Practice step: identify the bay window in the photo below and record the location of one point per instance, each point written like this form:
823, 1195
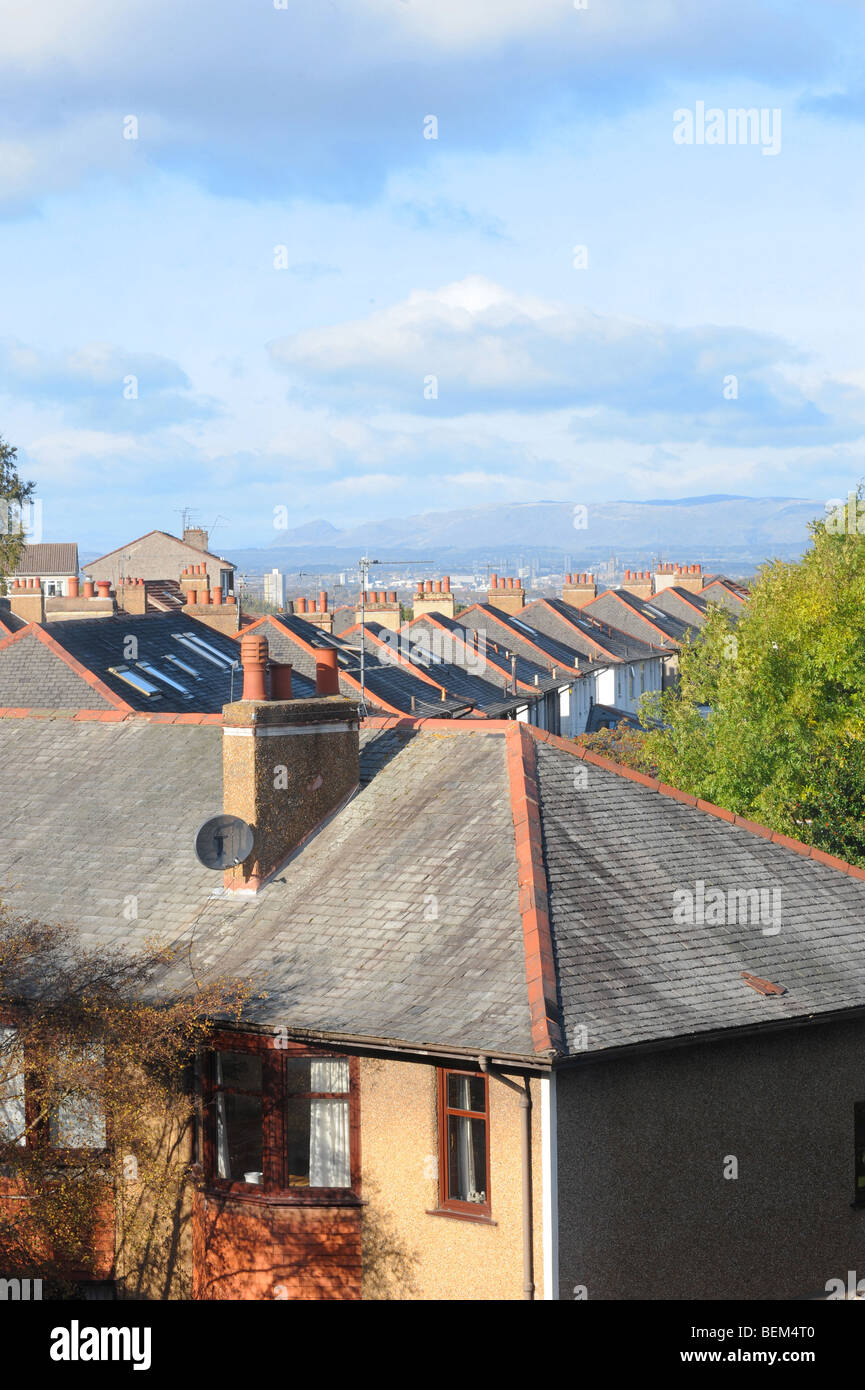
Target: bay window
280, 1122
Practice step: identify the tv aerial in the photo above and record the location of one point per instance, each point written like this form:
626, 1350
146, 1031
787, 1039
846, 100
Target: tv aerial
223, 842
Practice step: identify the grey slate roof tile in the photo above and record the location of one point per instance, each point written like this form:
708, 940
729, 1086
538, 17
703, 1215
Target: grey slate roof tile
616, 852
340, 944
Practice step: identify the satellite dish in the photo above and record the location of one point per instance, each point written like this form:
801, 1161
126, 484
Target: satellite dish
223, 841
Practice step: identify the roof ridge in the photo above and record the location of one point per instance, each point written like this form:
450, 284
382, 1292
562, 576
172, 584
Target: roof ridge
697, 803
500, 667
107, 716
541, 980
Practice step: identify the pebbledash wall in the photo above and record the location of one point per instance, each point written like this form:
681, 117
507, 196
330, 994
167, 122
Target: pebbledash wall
409, 1254
645, 1210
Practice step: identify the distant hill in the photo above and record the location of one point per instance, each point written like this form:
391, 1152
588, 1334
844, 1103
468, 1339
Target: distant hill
718, 529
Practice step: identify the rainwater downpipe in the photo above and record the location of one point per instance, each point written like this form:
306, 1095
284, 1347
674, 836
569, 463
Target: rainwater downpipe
525, 1095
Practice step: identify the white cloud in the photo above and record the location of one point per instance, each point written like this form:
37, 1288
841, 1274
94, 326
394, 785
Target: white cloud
474, 347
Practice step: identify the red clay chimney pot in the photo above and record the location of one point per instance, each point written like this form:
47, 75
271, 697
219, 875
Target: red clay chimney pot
253, 655
280, 680
326, 671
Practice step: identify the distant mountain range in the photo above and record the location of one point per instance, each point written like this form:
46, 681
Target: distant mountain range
719, 529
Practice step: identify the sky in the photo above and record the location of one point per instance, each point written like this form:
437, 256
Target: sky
357, 259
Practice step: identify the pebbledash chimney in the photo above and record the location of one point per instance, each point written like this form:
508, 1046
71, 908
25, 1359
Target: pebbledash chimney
287, 765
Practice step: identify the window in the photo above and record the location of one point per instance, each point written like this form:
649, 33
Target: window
464, 1184
144, 687
859, 1141
13, 1123
76, 1122
281, 1123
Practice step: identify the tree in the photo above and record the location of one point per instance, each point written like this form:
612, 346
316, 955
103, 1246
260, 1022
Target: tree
13, 494
96, 1110
768, 719
622, 744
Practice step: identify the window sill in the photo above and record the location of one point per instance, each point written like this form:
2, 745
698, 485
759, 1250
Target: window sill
479, 1220
285, 1199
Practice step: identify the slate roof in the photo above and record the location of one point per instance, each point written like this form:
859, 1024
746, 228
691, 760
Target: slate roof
521, 635
388, 686
615, 854
34, 676
594, 636
33, 673
343, 617
681, 603
49, 557
529, 673
458, 680
639, 618
9, 621
725, 595
553, 929
344, 941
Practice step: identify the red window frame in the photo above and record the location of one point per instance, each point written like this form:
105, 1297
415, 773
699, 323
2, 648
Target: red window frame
446, 1202
274, 1093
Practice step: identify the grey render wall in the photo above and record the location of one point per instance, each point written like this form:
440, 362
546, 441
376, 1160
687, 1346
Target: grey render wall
644, 1209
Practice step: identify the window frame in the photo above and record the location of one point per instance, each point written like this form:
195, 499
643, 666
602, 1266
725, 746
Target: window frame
274, 1095
37, 1132
452, 1205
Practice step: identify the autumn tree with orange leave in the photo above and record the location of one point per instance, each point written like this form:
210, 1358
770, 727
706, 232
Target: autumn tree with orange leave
97, 1110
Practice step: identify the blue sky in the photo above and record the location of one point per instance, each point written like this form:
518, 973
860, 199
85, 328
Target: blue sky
283, 262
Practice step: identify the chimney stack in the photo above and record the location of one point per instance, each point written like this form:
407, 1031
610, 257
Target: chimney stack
385, 609
638, 583
507, 595
688, 577
288, 765
579, 589
434, 600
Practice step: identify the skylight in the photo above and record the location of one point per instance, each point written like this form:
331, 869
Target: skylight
194, 643
189, 670
144, 687
149, 669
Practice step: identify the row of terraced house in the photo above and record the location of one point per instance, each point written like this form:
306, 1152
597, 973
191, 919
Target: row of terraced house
486, 1058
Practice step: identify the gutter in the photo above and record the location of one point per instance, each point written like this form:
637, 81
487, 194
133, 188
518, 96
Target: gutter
525, 1096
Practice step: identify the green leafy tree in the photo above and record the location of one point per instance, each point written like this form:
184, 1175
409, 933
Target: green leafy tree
768, 719
13, 494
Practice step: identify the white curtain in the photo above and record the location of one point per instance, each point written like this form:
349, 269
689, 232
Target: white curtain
12, 1115
466, 1170
223, 1166
329, 1150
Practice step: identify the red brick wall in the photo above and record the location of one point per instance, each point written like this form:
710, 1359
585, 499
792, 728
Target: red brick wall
245, 1250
